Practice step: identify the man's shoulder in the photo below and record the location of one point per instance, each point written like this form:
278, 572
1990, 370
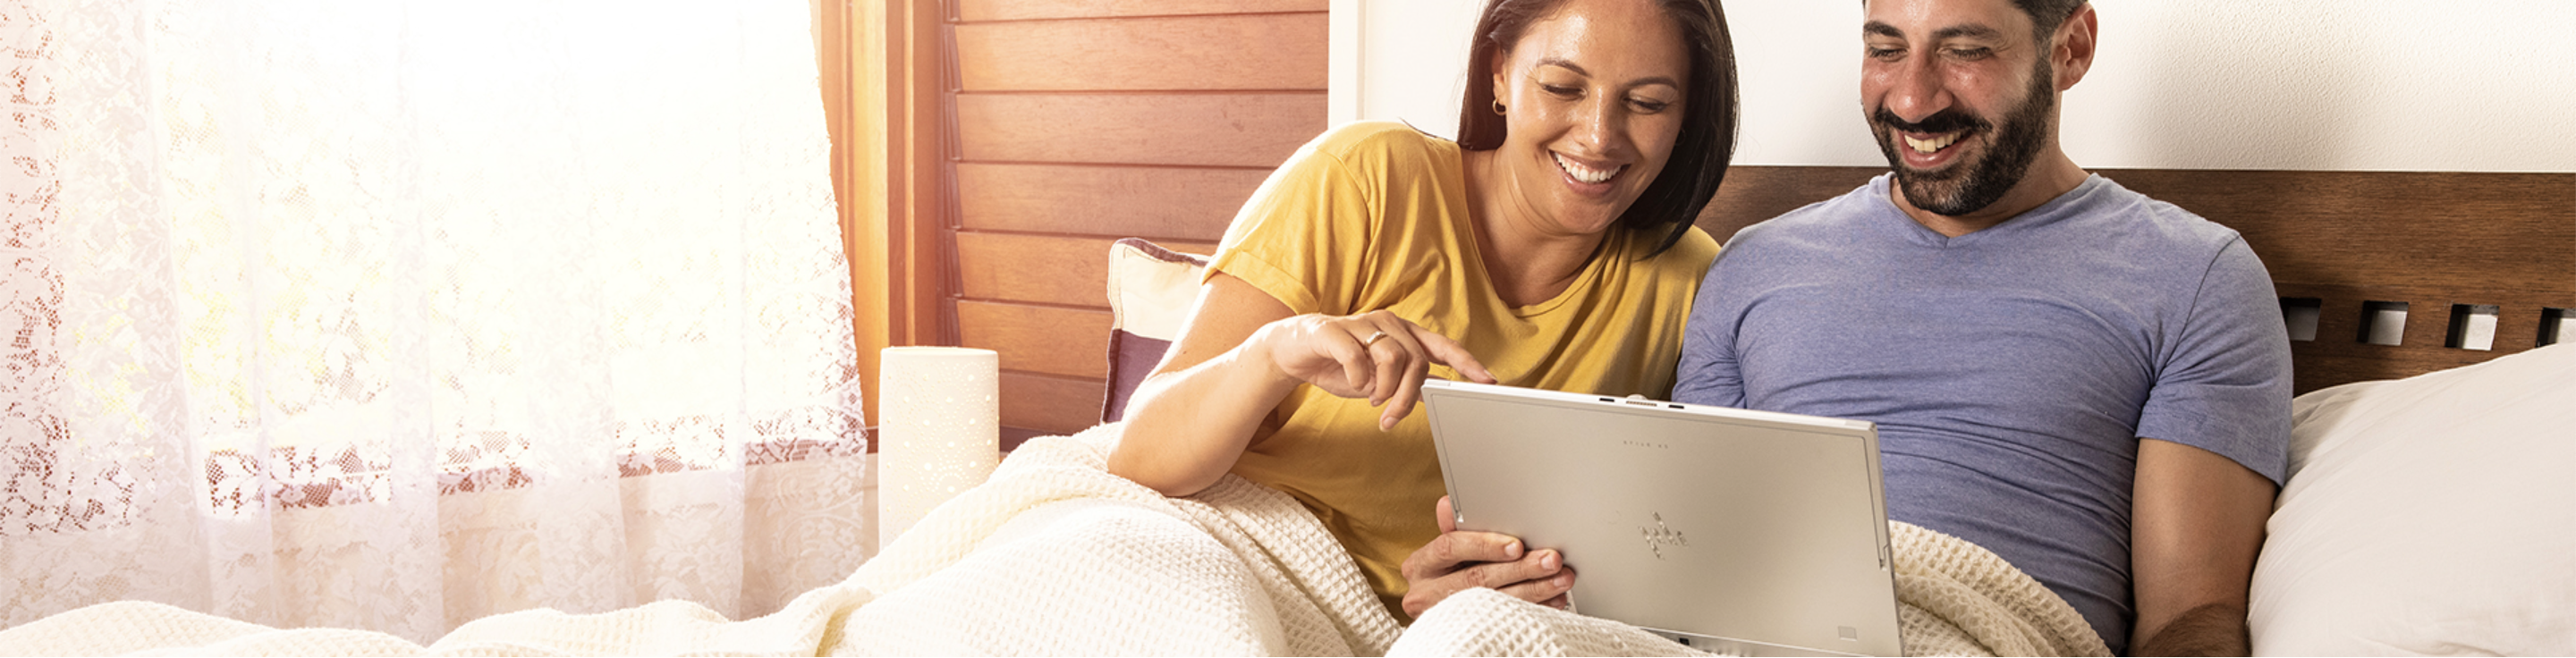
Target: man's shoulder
2157, 219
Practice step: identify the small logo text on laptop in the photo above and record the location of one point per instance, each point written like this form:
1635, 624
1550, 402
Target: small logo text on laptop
1659, 535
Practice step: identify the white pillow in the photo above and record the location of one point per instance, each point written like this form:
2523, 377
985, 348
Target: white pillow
2429, 515
1151, 290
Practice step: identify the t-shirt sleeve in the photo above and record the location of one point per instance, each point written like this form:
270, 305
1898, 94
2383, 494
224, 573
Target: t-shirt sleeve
1709, 373
2225, 385
1303, 235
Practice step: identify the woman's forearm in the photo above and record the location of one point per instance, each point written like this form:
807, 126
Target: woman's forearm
1186, 428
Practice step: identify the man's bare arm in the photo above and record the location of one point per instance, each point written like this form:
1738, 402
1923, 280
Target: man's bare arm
2196, 525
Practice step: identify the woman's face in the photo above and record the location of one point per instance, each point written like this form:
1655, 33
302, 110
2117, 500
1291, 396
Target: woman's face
1594, 96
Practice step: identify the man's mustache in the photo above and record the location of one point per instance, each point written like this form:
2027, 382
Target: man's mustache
1945, 121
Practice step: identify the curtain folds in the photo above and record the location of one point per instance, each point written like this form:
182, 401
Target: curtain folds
392, 315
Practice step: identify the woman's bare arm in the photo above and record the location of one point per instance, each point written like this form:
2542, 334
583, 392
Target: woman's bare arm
1200, 409
1239, 354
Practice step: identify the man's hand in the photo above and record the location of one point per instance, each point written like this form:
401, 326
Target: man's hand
1457, 561
2196, 526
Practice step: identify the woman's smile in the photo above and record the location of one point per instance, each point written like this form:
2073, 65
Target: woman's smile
1588, 179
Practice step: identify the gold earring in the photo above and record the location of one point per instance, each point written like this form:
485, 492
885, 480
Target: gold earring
1498, 108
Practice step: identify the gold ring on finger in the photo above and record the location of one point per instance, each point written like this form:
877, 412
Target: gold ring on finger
1372, 339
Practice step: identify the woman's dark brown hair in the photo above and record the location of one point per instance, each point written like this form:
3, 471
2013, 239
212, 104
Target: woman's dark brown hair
1664, 212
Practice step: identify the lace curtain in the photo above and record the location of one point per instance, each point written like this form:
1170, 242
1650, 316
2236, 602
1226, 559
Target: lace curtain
395, 314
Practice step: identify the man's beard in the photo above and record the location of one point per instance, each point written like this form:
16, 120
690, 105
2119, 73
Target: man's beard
1966, 187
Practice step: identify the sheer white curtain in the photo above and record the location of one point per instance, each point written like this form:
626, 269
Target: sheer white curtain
394, 314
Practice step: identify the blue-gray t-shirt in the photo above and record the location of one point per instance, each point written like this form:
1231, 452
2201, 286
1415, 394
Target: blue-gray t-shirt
2011, 371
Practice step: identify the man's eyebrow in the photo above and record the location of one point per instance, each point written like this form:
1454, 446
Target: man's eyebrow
1881, 28
1967, 31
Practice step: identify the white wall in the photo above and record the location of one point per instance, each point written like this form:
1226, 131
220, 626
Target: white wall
2385, 85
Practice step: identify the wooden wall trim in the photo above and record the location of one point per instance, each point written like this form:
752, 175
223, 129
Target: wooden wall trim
925, 205
886, 77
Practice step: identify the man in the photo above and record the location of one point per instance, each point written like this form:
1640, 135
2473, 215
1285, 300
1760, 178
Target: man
2088, 382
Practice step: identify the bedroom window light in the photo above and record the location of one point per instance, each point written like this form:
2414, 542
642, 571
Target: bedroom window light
321, 303
2300, 314
2383, 323
2556, 324
2472, 327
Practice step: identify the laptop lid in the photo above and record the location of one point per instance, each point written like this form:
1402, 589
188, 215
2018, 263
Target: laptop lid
1735, 531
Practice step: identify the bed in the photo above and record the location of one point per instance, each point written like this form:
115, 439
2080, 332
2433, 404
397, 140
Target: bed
2430, 315
2423, 514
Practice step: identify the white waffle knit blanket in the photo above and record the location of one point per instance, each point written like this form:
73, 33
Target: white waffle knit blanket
1955, 600
1054, 556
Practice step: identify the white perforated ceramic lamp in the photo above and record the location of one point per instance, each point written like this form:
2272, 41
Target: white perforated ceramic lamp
938, 431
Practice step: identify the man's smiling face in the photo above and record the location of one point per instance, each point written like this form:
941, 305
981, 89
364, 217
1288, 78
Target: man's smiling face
1960, 96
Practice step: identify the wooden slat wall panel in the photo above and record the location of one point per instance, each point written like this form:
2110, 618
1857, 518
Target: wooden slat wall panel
1266, 51
1054, 405
1078, 122
1066, 271
1069, 342
1162, 203
1009, 10
1059, 270
2431, 239
1237, 130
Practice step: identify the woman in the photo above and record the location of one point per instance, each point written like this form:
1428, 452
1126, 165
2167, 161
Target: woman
1550, 247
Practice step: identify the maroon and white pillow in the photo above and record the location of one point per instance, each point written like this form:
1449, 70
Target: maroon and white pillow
1150, 293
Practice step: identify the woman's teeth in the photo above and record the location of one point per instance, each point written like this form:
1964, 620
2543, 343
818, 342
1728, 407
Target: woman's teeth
1933, 145
1583, 173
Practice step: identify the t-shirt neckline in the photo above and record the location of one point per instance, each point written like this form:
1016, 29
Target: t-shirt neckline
1884, 185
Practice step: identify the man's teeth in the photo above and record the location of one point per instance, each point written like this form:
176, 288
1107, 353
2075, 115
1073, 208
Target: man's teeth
1933, 145
1586, 174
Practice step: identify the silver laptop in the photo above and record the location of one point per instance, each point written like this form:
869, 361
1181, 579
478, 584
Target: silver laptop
1732, 531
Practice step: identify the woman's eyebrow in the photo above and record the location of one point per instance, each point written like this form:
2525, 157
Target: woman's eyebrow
1564, 64
1579, 70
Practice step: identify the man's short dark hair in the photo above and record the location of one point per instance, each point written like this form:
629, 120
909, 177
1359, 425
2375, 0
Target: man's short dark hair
2046, 15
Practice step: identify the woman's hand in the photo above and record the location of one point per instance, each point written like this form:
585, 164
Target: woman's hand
1373, 355
1240, 353
1457, 561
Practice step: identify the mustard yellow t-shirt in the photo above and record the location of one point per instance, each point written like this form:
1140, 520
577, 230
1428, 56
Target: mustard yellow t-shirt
1375, 216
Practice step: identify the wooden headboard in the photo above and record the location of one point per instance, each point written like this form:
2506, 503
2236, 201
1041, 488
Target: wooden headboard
2343, 243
